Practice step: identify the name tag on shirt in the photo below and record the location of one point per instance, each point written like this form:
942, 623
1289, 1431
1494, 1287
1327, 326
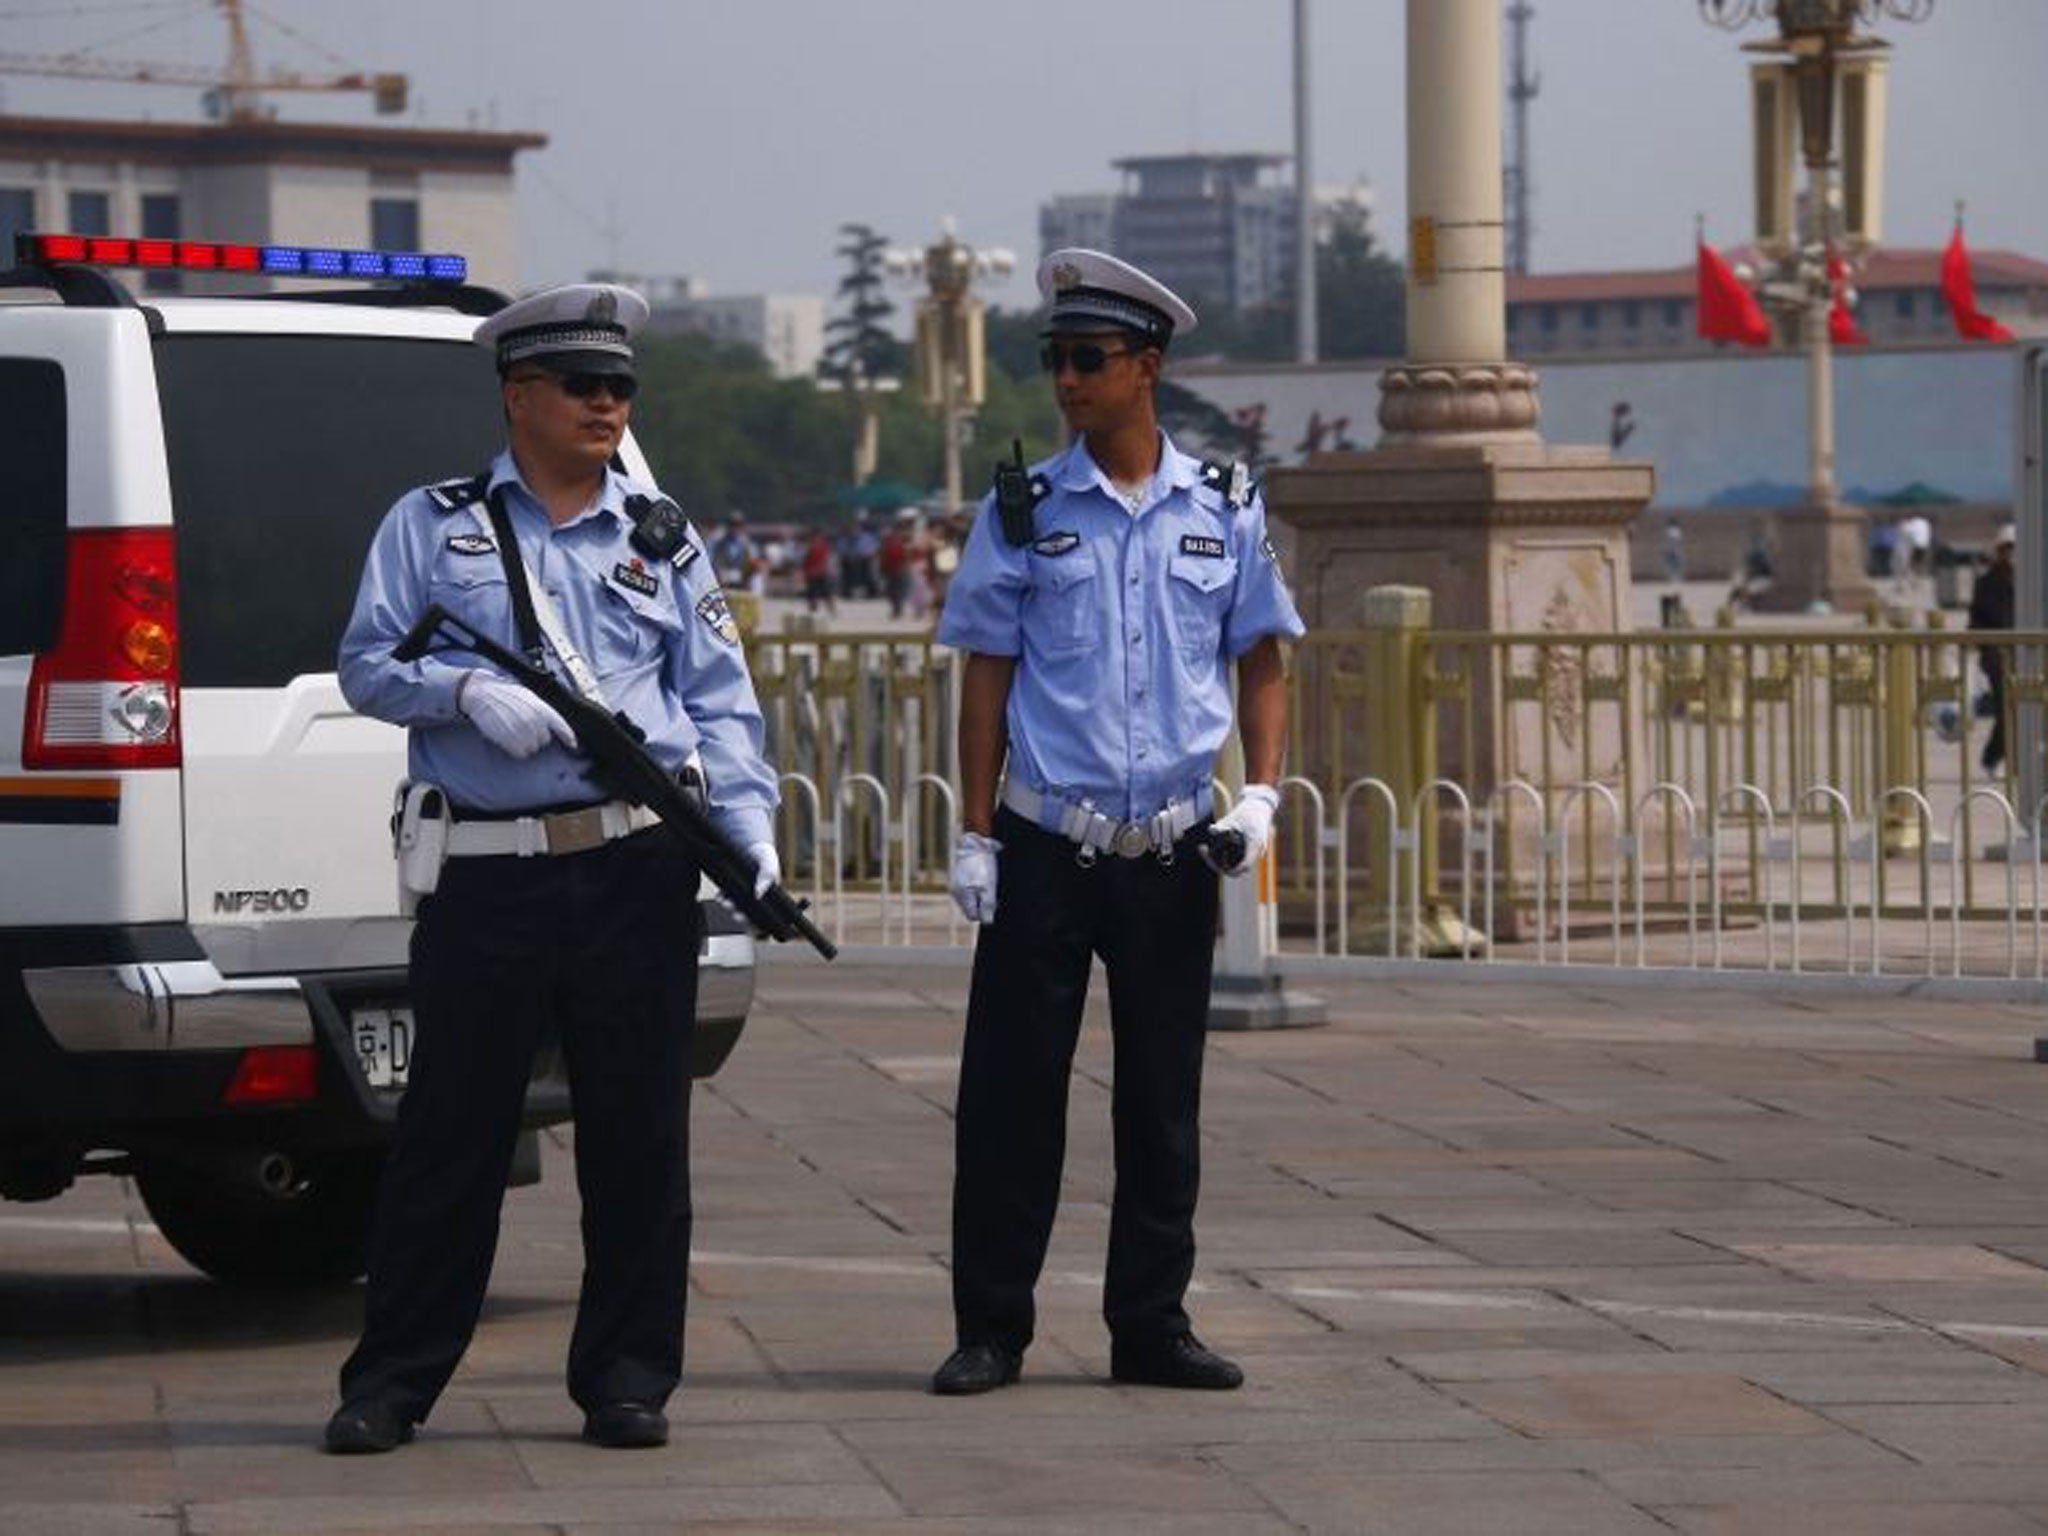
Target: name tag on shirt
636, 576
1202, 544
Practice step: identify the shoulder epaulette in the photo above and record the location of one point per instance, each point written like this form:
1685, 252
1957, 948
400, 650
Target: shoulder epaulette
1234, 484
454, 495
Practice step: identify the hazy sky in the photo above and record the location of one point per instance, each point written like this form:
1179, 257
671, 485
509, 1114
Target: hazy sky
729, 140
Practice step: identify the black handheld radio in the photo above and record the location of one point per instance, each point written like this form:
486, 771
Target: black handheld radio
1014, 497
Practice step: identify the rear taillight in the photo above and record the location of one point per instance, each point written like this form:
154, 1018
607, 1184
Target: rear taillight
107, 695
274, 1074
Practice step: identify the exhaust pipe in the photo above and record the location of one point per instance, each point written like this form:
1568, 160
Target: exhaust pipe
276, 1174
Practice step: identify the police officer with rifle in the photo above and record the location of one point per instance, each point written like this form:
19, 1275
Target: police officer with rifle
1104, 599
550, 902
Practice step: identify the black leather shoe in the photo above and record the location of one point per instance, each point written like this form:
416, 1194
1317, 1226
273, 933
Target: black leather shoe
367, 1428
626, 1426
1182, 1361
976, 1368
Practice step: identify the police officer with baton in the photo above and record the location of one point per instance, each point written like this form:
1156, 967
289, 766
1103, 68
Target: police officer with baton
1101, 600
559, 912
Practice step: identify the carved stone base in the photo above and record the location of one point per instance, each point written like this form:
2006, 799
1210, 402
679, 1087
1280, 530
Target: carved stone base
1820, 558
1507, 537
1444, 403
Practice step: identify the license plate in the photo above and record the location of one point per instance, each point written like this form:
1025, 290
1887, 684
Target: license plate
383, 1042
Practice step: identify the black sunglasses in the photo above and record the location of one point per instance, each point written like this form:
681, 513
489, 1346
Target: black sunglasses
1086, 356
585, 386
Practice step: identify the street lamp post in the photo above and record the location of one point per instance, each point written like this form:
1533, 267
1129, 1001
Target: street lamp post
1823, 557
951, 365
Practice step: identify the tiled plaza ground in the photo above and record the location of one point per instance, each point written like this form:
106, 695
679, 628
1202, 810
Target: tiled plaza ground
1504, 1258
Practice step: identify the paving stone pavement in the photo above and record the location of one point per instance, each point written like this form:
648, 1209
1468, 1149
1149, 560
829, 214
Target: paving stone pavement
1519, 1258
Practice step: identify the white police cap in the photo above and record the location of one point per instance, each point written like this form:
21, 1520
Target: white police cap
1088, 290
576, 328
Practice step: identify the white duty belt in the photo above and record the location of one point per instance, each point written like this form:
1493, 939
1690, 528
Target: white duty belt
1079, 822
552, 833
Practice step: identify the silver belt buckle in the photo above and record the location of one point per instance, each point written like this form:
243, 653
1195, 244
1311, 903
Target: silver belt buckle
575, 831
1131, 840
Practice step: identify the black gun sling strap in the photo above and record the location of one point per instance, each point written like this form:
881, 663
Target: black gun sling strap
533, 614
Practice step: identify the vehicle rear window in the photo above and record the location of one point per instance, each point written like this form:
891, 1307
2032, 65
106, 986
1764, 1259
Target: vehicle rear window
285, 454
32, 503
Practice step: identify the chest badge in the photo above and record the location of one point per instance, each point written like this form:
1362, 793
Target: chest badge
631, 573
1056, 543
713, 610
471, 544
1202, 544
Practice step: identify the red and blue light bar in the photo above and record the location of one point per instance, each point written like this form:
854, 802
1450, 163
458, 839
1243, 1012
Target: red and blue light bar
272, 260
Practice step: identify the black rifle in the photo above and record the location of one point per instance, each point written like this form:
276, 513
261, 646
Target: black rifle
612, 742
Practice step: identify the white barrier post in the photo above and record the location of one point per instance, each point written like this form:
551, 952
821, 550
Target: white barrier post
1244, 991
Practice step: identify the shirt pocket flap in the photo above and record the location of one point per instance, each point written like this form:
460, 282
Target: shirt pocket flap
1063, 576
469, 574
1203, 573
657, 610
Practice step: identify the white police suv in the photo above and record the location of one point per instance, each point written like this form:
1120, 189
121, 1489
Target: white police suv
202, 961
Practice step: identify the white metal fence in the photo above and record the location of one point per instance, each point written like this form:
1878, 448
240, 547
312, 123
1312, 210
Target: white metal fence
1744, 883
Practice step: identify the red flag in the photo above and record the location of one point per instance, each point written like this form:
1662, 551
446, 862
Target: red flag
1728, 310
1843, 330
1960, 289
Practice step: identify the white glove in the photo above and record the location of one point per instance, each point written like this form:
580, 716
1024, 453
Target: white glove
513, 720
1253, 817
767, 867
974, 877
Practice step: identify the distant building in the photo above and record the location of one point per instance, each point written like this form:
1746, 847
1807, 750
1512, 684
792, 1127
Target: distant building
1899, 302
788, 329
1217, 229
341, 185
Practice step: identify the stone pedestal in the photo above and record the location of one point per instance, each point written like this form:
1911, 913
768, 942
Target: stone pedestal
1821, 558
1505, 535
1508, 536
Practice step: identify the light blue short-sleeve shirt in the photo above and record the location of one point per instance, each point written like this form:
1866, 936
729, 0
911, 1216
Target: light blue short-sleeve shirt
1123, 625
657, 634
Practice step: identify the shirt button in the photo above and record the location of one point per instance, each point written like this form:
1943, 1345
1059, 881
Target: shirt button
1141, 754
1134, 578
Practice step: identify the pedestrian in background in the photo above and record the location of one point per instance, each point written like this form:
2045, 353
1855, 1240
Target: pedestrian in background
1991, 608
893, 554
1100, 603
817, 570
560, 913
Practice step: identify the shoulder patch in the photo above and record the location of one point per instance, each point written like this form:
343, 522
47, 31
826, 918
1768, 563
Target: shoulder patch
1269, 550
713, 609
472, 544
454, 495
1056, 543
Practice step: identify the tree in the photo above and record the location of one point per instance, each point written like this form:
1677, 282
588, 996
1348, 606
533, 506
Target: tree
860, 344
1361, 295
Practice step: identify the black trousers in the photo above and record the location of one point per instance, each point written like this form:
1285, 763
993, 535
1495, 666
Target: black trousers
599, 950
1154, 927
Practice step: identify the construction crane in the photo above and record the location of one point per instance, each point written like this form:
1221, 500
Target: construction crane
234, 92
1520, 174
